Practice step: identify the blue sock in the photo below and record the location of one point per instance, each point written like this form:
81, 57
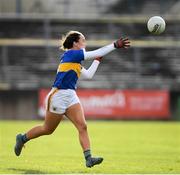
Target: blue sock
24, 138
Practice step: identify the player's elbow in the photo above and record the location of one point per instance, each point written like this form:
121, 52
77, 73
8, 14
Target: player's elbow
89, 76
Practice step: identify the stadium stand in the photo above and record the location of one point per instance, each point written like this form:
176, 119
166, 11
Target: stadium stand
29, 43
143, 6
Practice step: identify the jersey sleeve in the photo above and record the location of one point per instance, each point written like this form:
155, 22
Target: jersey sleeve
89, 73
99, 52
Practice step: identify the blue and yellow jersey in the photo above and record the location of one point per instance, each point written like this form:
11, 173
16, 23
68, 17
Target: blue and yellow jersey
69, 69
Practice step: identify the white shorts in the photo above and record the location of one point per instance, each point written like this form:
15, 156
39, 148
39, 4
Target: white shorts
58, 100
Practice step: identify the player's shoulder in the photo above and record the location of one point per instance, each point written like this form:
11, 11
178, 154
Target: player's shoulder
72, 55
73, 52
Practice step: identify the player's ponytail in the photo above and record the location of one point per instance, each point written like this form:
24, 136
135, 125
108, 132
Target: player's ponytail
68, 40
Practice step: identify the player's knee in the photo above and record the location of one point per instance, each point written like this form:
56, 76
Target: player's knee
48, 131
82, 127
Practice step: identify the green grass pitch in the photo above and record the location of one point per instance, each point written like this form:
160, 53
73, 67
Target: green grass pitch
127, 147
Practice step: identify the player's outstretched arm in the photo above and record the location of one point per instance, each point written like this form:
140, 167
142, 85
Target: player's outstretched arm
89, 73
120, 43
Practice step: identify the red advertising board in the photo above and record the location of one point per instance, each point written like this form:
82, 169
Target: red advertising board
122, 104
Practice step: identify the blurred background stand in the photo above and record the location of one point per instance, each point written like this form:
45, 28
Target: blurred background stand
29, 48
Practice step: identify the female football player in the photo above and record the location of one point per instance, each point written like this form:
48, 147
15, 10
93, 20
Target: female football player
62, 99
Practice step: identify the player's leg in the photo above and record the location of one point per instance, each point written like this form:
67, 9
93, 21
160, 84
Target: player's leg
76, 115
50, 124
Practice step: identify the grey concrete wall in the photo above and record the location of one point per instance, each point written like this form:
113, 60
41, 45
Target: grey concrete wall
7, 6
18, 104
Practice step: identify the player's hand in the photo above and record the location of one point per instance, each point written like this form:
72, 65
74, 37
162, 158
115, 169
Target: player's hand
99, 58
122, 43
